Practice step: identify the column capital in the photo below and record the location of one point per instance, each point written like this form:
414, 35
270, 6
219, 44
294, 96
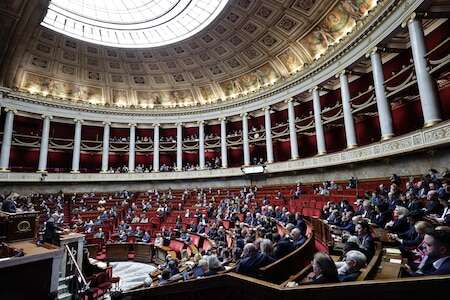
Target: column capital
132, 124
78, 121
46, 116
106, 123
342, 73
372, 51
223, 119
289, 100
156, 125
178, 124
266, 108
9, 109
316, 88
411, 18
244, 115
201, 122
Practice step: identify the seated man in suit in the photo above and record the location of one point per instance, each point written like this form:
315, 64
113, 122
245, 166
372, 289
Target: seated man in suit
146, 237
365, 239
283, 247
324, 270
297, 237
251, 261
349, 269
437, 245
139, 233
100, 234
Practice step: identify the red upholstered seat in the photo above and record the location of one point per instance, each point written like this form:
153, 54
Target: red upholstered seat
176, 245
206, 245
113, 280
195, 239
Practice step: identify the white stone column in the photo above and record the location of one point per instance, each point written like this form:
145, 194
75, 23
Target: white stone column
427, 89
132, 148
7, 138
179, 146
350, 132
105, 151
201, 144
245, 143
320, 136
155, 147
292, 129
43, 151
268, 125
383, 106
76, 147
223, 142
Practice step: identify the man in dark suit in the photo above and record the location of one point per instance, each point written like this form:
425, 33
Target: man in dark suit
297, 237
437, 245
252, 260
284, 247
9, 205
349, 270
365, 239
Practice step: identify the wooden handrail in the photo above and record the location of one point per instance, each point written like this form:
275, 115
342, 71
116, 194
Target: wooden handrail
236, 286
372, 267
278, 271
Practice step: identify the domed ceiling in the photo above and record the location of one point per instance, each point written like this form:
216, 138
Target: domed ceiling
131, 23
250, 45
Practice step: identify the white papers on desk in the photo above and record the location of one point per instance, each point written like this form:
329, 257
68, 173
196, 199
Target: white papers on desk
395, 261
392, 251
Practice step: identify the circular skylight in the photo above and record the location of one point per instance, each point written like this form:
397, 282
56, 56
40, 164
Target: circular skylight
131, 23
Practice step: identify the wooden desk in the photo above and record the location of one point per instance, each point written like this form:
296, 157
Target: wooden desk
143, 252
388, 270
383, 236
117, 252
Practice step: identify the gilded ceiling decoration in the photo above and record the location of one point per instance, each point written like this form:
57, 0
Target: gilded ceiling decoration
251, 45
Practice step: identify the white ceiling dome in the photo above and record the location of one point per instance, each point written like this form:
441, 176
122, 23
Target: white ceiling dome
131, 23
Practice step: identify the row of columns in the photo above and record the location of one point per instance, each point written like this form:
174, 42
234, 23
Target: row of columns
427, 91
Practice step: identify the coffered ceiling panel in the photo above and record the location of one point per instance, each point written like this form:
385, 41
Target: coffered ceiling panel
250, 45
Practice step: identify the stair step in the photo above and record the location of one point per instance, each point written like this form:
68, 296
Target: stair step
63, 288
65, 296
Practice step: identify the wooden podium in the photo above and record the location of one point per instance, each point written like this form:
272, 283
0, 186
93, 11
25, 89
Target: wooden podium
18, 226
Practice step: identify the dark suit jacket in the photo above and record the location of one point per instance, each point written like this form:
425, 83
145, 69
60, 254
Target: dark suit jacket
283, 247
323, 279
411, 239
382, 218
367, 246
399, 226
414, 205
9, 206
300, 242
349, 276
250, 265
433, 207
444, 268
